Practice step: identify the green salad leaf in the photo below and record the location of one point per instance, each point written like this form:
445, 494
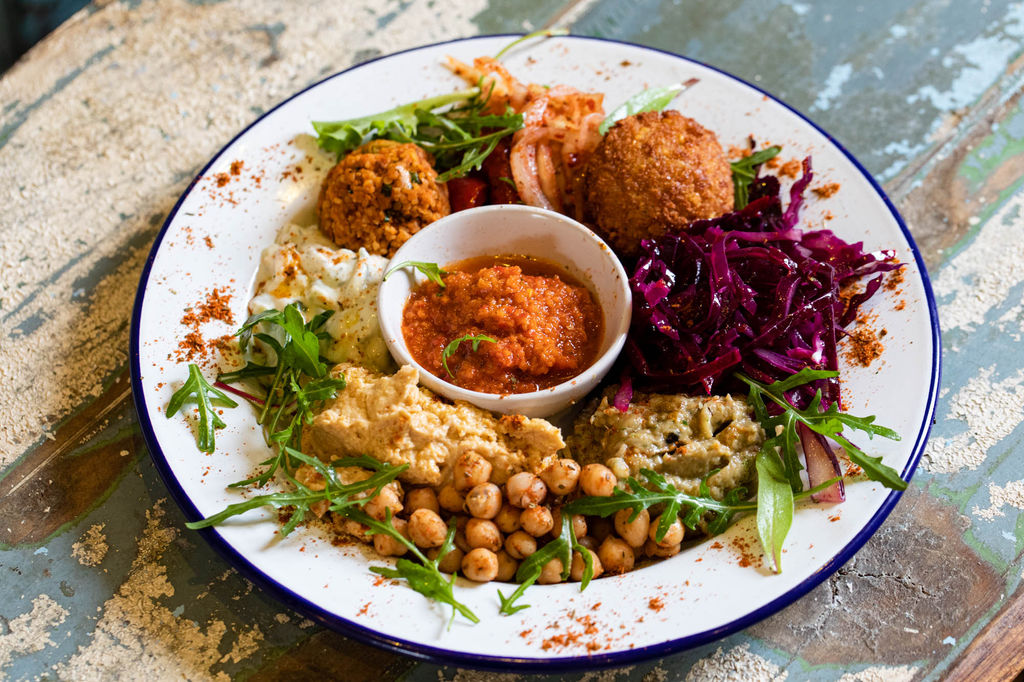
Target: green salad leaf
453, 346
432, 271
206, 396
745, 170
651, 99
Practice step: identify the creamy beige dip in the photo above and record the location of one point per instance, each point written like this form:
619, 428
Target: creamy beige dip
680, 437
392, 419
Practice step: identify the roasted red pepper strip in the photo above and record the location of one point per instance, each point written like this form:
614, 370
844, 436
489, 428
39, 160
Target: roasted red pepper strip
499, 175
466, 193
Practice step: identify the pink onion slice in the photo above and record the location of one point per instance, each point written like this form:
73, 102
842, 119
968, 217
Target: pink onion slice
822, 464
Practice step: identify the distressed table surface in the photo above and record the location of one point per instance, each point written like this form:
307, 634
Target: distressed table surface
105, 122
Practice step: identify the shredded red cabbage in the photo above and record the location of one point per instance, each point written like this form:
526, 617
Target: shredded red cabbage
750, 292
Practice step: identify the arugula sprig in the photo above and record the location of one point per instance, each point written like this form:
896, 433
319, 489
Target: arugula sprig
827, 422
300, 381
651, 99
424, 577
348, 499
455, 128
529, 571
303, 497
745, 170
718, 513
778, 464
432, 271
206, 396
693, 509
453, 346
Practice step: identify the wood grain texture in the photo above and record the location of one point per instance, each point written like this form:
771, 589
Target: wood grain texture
997, 653
925, 93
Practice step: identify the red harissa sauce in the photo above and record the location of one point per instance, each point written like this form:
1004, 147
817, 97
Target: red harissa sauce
547, 326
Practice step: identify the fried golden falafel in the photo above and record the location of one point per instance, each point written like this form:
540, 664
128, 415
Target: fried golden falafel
654, 172
379, 195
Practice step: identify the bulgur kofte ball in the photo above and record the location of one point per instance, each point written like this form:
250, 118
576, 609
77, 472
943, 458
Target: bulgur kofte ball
654, 172
379, 195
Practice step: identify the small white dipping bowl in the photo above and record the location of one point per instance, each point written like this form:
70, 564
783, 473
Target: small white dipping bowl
513, 230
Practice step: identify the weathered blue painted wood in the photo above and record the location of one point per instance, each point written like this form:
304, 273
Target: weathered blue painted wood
102, 126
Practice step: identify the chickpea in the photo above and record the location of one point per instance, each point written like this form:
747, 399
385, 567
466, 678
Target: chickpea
525, 490
484, 501
589, 542
537, 521
470, 470
480, 565
578, 565
460, 534
634, 532
618, 467
389, 546
597, 480
674, 535
507, 567
483, 533
520, 544
651, 548
599, 528
352, 528
426, 529
310, 477
387, 498
551, 573
562, 476
616, 555
451, 562
451, 499
508, 519
421, 498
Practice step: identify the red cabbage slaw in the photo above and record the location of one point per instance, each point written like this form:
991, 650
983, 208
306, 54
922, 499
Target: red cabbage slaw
748, 292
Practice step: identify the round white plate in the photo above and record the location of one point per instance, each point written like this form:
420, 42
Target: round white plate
214, 236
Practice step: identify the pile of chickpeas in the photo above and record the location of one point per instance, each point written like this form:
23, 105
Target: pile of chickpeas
497, 527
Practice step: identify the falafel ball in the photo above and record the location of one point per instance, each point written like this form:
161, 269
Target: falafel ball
379, 195
654, 172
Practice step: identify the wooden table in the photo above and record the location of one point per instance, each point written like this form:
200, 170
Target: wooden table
104, 124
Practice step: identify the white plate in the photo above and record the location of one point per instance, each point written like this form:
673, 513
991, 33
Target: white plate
700, 595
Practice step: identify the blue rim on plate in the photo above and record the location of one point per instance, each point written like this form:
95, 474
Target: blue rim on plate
573, 663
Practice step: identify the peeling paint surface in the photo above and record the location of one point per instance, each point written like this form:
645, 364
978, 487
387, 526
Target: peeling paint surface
106, 122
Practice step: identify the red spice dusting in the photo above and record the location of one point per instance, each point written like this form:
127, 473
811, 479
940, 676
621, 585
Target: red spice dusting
193, 346
825, 191
853, 470
236, 167
791, 169
895, 278
749, 556
901, 304
208, 241
834, 518
716, 545
739, 152
379, 580
222, 179
363, 611
656, 604
863, 346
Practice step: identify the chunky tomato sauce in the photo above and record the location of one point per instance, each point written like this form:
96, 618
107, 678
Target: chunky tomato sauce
546, 327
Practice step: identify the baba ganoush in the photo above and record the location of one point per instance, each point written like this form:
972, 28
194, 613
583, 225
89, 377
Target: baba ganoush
683, 438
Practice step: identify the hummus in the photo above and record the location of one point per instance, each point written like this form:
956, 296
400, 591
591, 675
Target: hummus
680, 437
391, 418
